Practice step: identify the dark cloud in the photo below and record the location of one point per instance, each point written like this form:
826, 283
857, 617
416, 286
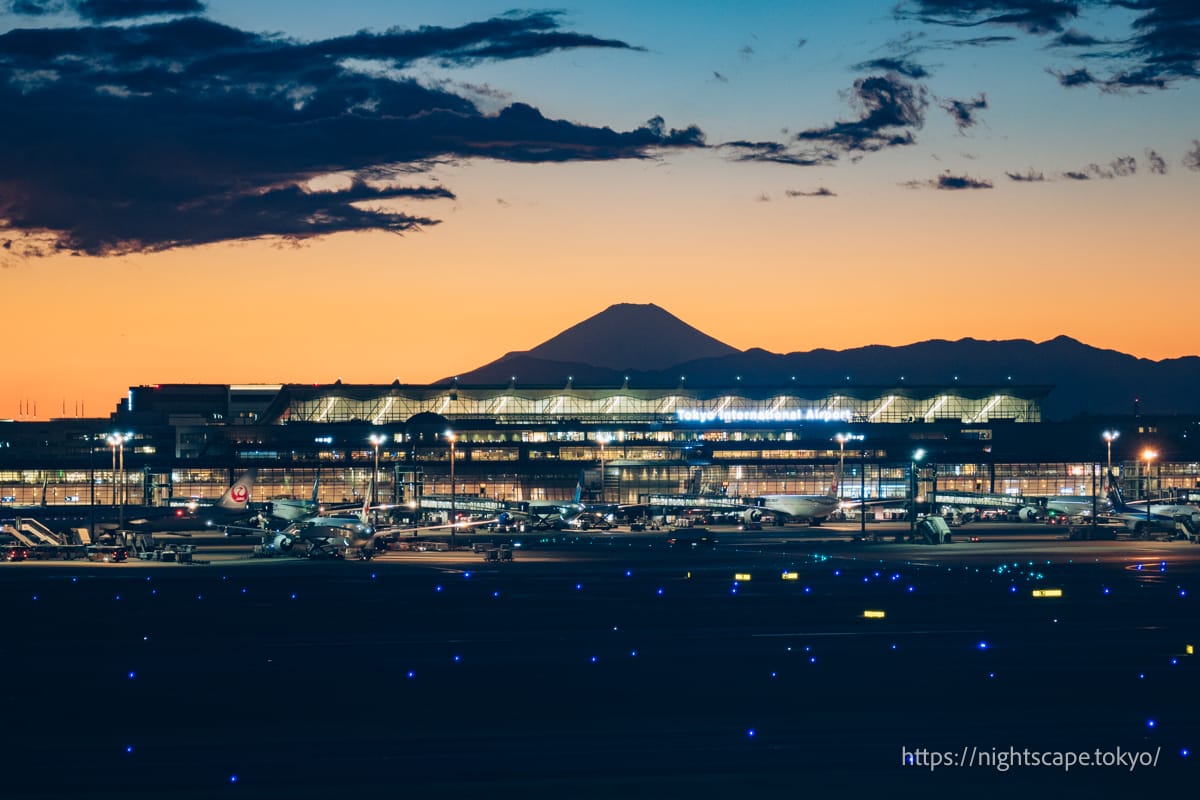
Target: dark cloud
889, 108
1162, 45
1124, 165
1165, 45
778, 153
1191, 159
1158, 164
978, 41
1077, 176
963, 111
907, 68
107, 10
1078, 77
1073, 38
950, 182
1031, 16
135, 138
1032, 176
720, 77
819, 192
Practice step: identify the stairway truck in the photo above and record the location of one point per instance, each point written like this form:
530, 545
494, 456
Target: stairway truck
1187, 526
933, 530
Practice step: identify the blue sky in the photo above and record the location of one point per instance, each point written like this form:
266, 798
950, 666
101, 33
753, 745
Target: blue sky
945, 168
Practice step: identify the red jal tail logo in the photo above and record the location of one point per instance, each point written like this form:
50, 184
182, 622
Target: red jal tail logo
239, 494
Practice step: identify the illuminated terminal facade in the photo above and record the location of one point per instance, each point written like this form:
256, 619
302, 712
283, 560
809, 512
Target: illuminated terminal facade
626, 443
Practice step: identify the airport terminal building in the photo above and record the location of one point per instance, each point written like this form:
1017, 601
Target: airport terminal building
529, 443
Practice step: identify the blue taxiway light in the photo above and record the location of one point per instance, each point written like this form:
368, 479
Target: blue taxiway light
1151, 723
131, 675
128, 748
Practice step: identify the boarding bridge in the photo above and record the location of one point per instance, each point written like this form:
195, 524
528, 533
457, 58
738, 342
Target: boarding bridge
1009, 502
717, 502
30, 532
462, 504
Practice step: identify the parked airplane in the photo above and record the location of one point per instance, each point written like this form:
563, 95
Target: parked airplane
1140, 516
811, 508
292, 509
233, 506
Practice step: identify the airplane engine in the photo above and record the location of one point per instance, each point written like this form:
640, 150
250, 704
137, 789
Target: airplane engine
281, 543
1027, 514
751, 515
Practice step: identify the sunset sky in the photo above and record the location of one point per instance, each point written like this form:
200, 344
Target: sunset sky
288, 191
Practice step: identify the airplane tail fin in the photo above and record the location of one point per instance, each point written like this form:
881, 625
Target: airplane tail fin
579, 487
316, 486
364, 515
1114, 494
237, 496
836, 483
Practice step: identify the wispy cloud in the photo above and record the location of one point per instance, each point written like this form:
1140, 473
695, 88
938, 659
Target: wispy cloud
1191, 159
964, 112
1158, 164
1162, 45
1031, 16
152, 136
1032, 176
949, 182
818, 192
777, 153
889, 107
105, 10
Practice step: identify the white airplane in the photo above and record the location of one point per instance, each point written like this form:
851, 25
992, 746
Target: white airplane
811, 508
1138, 516
293, 509
233, 506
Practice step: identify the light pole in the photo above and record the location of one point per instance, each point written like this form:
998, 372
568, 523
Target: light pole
917, 455
376, 439
112, 443
1149, 455
117, 441
450, 437
1109, 438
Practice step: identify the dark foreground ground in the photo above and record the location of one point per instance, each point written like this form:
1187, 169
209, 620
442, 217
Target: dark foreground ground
614, 672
